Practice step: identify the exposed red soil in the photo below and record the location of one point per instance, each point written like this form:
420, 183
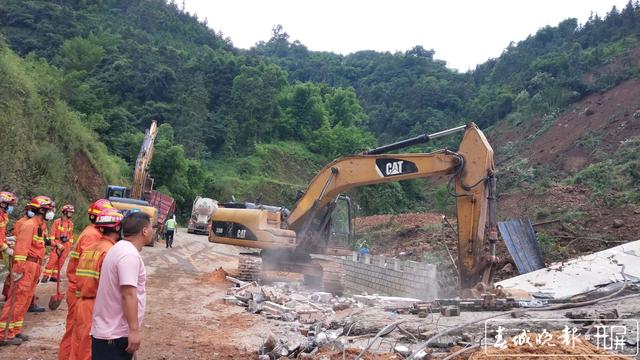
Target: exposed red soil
413, 238
404, 233
87, 178
596, 223
609, 118
216, 277
609, 115
214, 336
419, 237
405, 220
614, 67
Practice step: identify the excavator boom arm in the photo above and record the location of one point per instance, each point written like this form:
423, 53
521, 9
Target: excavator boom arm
141, 171
352, 171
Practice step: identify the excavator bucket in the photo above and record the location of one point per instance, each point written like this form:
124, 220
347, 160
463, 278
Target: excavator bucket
521, 242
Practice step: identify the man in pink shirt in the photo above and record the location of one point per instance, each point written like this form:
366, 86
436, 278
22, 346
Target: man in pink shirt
120, 301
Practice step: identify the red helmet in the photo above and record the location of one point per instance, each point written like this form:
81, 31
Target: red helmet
42, 202
108, 218
8, 198
68, 208
96, 208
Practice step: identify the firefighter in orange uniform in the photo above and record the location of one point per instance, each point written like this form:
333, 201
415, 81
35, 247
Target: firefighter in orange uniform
7, 201
62, 233
89, 236
28, 214
87, 279
28, 253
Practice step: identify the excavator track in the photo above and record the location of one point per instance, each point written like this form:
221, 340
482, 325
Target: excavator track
250, 268
333, 276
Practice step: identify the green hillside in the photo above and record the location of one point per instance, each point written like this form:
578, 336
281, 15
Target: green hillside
46, 147
260, 122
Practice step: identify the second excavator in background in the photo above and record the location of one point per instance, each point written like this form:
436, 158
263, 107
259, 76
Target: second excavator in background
321, 221
141, 195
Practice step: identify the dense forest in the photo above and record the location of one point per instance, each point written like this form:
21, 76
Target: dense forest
260, 122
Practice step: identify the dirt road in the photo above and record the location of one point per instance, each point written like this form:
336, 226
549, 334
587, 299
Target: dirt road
185, 317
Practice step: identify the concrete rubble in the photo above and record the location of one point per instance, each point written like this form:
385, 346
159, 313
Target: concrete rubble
319, 321
311, 316
595, 270
281, 302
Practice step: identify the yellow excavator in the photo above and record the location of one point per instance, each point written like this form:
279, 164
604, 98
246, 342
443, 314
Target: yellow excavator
141, 195
321, 220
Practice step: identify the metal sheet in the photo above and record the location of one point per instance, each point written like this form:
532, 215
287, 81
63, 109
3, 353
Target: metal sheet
523, 246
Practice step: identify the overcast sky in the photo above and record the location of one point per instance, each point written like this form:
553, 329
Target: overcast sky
464, 33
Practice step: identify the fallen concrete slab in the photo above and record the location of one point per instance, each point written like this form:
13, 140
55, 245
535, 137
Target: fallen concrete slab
580, 275
371, 300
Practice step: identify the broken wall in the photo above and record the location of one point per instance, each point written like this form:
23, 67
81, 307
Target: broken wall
389, 276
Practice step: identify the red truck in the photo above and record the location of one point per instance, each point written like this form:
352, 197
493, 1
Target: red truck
165, 204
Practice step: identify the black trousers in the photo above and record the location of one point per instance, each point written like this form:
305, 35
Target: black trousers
110, 349
169, 237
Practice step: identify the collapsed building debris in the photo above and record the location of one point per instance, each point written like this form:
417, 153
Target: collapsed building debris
324, 323
282, 303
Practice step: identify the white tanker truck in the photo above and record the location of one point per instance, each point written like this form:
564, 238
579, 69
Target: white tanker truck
201, 212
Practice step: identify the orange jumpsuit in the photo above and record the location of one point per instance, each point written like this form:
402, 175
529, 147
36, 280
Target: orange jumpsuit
61, 227
28, 253
4, 221
18, 224
89, 236
87, 279
16, 228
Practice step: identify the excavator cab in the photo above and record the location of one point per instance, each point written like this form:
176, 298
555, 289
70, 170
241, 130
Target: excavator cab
341, 231
117, 191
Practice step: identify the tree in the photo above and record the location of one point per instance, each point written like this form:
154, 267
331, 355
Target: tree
344, 108
254, 98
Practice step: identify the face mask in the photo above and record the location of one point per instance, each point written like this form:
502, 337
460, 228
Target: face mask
49, 215
30, 213
9, 209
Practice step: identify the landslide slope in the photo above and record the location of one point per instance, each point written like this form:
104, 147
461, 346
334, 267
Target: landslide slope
46, 150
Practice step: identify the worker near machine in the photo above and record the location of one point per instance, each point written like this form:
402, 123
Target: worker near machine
61, 233
28, 253
364, 247
87, 279
7, 201
121, 298
89, 236
170, 226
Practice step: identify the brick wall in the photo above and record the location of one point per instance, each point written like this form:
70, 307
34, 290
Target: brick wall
388, 276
